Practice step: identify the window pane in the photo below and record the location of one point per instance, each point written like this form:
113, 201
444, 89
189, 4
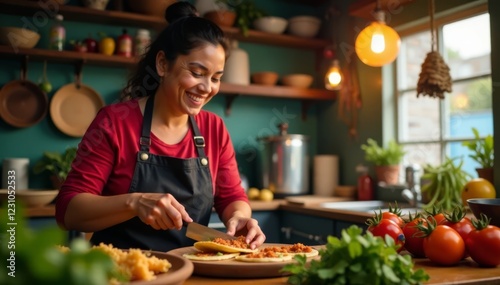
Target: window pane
469, 105
422, 154
418, 118
412, 54
467, 47
456, 150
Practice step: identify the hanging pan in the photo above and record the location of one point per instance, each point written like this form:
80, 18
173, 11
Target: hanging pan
74, 106
22, 102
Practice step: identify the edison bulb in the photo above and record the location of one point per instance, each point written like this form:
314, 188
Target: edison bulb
333, 77
378, 44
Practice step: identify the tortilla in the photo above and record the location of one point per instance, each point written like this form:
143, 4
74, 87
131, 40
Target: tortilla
299, 248
227, 246
209, 256
264, 257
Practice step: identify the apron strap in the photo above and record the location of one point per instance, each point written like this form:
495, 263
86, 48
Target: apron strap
199, 140
145, 140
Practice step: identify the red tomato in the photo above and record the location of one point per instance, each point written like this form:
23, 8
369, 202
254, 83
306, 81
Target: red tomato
394, 217
444, 246
440, 218
388, 227
414, 238
484, 246
463, 227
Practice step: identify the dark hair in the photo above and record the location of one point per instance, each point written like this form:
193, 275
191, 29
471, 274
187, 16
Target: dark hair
185, 32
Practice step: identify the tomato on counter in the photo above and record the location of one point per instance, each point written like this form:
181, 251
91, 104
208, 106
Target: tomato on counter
483, 243
442, 244
414, 241
381, 227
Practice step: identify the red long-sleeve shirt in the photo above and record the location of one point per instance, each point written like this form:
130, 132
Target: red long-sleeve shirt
106, 156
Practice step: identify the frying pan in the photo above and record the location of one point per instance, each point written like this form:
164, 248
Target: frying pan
22, 102
74, 106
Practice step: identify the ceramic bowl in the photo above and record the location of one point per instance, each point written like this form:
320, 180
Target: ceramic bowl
96, 4
297, 80
304, 26
269, 78
18, 37
150, 7
347, 191
273, 25
488, 206
29, 198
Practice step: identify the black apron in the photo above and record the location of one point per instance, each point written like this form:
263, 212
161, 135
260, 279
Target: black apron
188, 180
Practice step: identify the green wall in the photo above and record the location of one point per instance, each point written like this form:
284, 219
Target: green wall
251, 117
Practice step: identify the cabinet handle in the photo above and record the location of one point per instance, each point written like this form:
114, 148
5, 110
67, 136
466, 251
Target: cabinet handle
289, 231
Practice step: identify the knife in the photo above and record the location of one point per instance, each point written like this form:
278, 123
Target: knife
202, 233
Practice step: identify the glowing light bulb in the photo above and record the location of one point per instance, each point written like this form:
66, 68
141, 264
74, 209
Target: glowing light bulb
333, 77
377, 44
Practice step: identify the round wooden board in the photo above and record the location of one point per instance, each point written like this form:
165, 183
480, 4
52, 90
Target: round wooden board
237, 269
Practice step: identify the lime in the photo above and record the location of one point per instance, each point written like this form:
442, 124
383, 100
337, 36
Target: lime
45, 86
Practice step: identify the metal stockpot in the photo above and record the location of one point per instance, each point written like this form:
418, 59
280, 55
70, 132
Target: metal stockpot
284, 162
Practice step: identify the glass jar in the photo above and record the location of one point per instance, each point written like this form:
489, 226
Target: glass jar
142, 42
57, 36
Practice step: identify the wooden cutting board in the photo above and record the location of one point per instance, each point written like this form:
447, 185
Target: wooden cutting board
311, 199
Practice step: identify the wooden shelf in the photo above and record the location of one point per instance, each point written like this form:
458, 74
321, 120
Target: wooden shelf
364, 8
109, 17
277, 91
71, 57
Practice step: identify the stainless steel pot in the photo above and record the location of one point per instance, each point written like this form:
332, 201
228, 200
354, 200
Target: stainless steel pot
284, 162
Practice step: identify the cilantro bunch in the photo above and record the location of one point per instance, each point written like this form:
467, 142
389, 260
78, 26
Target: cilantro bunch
356, 258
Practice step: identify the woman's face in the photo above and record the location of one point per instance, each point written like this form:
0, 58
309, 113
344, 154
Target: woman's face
193, 79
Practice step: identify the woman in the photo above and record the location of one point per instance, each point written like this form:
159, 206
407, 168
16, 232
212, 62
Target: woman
156, 161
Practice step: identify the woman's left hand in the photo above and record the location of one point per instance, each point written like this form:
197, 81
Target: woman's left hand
254, 235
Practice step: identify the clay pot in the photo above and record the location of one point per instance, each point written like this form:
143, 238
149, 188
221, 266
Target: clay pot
223, 18
486, 173
388, 174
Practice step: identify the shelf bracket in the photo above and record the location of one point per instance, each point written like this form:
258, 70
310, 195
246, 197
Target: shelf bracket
78, 73
305, 107
229, 102
24, 67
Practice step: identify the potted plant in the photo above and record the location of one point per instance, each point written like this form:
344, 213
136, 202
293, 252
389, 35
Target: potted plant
57, 164
246, 12
482, 151
442, 185
386, 160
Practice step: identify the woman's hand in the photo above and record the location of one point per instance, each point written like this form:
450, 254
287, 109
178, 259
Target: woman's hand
161, 211
254, 235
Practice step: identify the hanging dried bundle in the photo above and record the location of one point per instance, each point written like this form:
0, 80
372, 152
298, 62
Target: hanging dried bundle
434, 78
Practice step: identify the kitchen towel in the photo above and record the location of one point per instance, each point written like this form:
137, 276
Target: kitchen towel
326, 174
15, 173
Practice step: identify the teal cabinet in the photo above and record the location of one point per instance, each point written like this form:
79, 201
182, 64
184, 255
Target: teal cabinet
340, 225
306, 229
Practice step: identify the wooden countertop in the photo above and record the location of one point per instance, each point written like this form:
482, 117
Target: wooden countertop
467, 272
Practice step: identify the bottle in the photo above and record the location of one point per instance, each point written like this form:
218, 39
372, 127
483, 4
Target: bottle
142, 42
237, 68
365, 184
124, 45
57, 36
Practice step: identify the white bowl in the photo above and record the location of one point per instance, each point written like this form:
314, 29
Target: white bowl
29, 198
18, 37
271, 24
304, 26
297, 80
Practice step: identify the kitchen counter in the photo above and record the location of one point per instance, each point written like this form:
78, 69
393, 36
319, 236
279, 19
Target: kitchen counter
467, 272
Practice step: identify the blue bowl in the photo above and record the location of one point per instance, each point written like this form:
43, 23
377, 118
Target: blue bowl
488, 206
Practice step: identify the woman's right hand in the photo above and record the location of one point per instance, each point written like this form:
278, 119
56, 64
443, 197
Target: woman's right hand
161, 211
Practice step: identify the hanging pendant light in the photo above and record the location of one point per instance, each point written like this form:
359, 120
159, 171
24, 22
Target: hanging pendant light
333, 76
378, 44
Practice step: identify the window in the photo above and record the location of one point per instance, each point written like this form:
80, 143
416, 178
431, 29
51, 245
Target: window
430, 128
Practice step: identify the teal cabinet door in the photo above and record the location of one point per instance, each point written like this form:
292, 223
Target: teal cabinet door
309, 230
340, 225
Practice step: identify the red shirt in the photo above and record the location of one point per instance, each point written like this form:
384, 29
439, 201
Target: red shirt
107, 155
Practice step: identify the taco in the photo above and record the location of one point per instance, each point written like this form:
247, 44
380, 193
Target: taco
299, 248
265, 255
225, 245
209, 256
